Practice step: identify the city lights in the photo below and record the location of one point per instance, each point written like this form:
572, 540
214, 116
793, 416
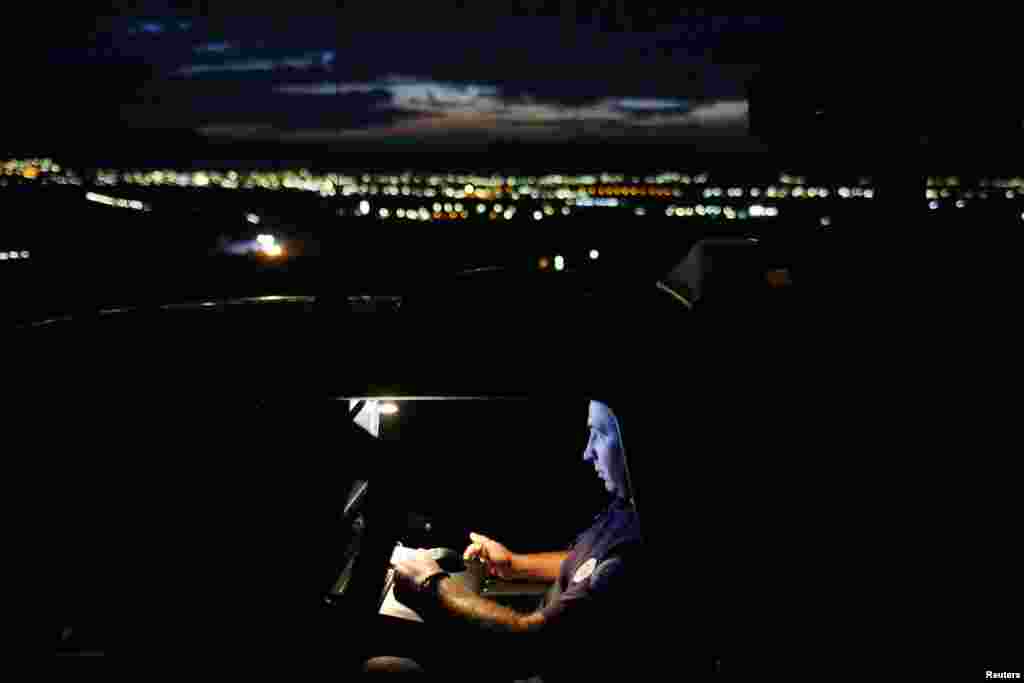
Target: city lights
269, 246
114, 201
557, 195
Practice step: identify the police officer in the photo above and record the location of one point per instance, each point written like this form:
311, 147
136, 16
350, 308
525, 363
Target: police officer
598, 582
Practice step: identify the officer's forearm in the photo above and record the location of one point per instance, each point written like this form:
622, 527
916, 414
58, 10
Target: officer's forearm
538, 566
461, 603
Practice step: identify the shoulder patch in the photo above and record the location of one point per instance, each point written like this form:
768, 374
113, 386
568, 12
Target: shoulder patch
605, 570
584, 571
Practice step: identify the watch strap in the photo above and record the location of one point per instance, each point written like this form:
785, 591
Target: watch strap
431, 582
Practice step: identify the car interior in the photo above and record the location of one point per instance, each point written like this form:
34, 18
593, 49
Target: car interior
509, 447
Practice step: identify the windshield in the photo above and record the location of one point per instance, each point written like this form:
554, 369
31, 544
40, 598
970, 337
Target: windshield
230, 155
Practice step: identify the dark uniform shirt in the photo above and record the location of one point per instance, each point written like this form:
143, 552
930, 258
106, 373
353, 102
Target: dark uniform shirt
599, 581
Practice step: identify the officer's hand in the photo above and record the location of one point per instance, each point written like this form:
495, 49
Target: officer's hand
496, 557
410, 574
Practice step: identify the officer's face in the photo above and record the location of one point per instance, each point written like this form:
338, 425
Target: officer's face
604, 449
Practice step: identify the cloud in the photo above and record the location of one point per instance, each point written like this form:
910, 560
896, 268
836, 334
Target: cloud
651, 104
216, 48
328, 89
408, 94
724, 112
427, 109
423, 96
321, 59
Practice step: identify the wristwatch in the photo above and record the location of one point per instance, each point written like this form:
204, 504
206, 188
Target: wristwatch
430, 583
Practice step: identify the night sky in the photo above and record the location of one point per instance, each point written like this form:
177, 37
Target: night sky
448, 78
466, 76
